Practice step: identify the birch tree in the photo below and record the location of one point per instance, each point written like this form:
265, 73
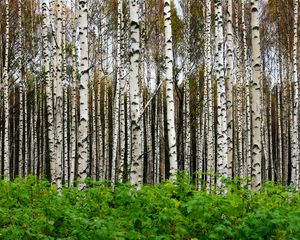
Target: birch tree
222, 124
59, 96
6, 148
295, 119
187, 137
21, 93
256, 98
169, 88
136, 166
210, 96
229, 82
117, 119
83, 147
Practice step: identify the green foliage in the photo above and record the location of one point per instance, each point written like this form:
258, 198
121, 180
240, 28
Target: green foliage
177, 26
32, 209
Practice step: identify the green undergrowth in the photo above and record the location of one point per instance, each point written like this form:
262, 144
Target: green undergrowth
32, 209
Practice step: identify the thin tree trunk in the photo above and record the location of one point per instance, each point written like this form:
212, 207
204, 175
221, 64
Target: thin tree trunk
222, 122
229, 81
256, 98
187, 137
210, 101
295, 119
6, 166
169, 89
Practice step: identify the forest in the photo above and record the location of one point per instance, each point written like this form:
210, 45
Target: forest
166, 108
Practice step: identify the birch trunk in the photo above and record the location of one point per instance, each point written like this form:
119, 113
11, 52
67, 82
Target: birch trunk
136, 167
73, 138
247, 114
59, 98
21, 93
187, 137
169, 89
6, 149
121, 82
83, 146
295, 119
106, 130
122, 95
210, 102
222, 122
256, 98
229, 81
116, 114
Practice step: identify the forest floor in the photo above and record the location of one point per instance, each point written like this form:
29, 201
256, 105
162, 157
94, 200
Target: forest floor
32, 209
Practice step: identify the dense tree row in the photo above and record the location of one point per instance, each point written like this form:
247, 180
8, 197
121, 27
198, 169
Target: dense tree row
137, 90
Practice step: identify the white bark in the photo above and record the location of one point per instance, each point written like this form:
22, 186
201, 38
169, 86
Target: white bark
136, 167
122, 101
59, 97
121, 79
222, 122
83, 147
6, 155
229, 81
169, 89
157, 142
116, 127
73, 138
295, 123
210, 102
256, 98
21, 92
106, 129
187, 137
51, 83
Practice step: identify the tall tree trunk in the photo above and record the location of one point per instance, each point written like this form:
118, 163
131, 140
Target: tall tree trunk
59, 97
210, 100
136, 167
187, 117
295, 119
83, 146
6, 153
229, 82
73, 138
256, 98
169, 89
21, 94
116, 134
222, 122
247, 114
121, 169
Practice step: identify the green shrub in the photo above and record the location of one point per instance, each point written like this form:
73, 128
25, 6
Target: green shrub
32, 209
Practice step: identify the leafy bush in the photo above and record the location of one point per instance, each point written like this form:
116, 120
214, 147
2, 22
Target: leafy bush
32, 209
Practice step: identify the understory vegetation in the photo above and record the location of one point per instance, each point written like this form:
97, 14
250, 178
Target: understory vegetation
32, 209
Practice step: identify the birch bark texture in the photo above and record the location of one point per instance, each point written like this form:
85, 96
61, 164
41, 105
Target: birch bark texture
210, 166
187, 117
295, 119
136, 168
169, 89
229, 84
222, 122
83, 147
48, 86
116, 135
6, 148
256, 98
